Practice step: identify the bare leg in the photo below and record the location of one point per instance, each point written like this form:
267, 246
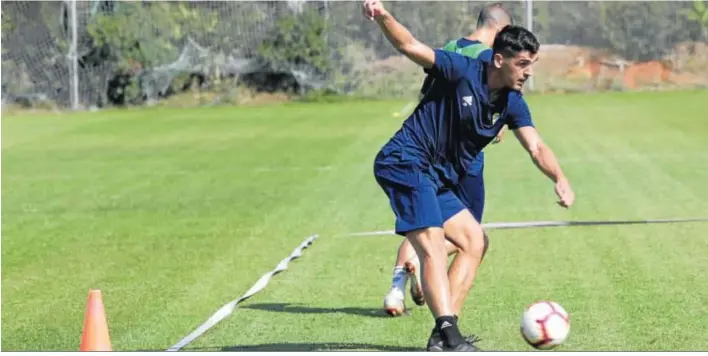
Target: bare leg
406, 252
429, 245
407, 262
407, 266
467, 235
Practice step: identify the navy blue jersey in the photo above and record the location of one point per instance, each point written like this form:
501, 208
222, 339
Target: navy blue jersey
464, 46
458, 120
472, 49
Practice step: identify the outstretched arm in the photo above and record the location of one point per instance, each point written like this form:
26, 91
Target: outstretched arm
399, 36
541, 154
546, 161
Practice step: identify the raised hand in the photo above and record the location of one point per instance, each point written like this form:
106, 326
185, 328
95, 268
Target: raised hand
372, 9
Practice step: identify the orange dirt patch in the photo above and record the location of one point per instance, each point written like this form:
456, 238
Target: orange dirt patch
594, 69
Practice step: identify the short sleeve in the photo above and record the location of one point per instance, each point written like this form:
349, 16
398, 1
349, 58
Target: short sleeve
519, 113
427, 83
450, 66
450, 46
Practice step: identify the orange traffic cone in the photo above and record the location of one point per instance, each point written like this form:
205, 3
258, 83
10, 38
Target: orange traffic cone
95, 335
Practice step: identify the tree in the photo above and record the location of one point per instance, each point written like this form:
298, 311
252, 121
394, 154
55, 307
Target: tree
699, 14
642, 31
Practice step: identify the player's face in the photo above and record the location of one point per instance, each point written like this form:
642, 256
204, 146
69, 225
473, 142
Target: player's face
516, 70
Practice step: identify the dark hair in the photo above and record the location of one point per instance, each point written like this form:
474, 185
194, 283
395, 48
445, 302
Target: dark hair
512, 40
494, 14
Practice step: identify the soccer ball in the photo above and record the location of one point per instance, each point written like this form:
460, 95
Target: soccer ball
545, 325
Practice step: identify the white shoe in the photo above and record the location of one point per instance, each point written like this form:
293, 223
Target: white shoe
416, 287
394, 302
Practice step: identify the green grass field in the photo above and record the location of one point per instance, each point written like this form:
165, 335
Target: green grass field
172, 213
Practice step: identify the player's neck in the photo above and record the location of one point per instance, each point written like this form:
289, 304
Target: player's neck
494, 81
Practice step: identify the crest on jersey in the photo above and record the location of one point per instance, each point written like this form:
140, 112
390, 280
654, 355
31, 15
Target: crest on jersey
495, 117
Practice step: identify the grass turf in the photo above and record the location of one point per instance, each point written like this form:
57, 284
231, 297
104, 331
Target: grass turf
172, 213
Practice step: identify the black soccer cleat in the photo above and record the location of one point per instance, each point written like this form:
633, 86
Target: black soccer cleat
463, 347
471, 341
436, 344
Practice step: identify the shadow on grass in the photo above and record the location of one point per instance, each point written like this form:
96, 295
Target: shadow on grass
299, 347
296, 347
301, 309
333, 346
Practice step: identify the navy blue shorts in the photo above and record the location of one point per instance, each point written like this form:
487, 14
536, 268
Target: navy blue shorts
470, 191
417, 198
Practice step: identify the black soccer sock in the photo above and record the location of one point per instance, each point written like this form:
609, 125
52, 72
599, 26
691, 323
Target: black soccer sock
447, 325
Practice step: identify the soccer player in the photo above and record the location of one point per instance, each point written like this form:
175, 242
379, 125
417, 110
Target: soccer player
478, 44
419, 167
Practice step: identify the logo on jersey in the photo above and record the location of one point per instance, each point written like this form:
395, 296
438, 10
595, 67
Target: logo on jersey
466, 100
495, 117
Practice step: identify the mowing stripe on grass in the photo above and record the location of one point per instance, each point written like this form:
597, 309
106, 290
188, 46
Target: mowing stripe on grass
227, 309
532, 224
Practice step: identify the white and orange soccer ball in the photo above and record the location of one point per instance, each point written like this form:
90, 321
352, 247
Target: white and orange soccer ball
545, 325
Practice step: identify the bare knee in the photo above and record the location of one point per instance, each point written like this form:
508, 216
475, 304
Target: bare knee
472, 241
466, 234
486, 244
427, 242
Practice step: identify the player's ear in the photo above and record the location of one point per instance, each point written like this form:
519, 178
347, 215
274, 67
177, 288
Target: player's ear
498, 60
